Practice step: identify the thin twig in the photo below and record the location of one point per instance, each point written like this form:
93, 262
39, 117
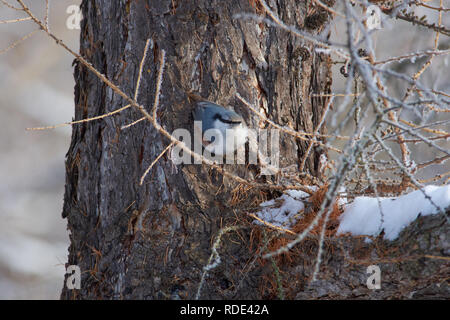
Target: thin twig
15, 20
154, 162
18, 41
80, 121
270, 225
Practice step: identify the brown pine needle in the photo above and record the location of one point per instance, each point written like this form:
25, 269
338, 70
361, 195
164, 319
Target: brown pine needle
141, 66
412, 125
79, 121
138, 83
271, 225
15, 20
46, 14
10, 6
436, 178
133, 123
155, 161
436, 257
13, 45
335, 95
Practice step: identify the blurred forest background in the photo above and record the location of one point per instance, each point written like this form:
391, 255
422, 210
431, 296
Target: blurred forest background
36, 89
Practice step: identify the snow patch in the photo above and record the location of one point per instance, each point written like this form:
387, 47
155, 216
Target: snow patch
282, 211
323, 50
363, 217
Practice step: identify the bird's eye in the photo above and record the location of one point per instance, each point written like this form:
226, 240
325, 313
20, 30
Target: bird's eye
228, 120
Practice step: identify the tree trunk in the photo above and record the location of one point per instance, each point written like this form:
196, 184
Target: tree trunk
414, 266
153, 241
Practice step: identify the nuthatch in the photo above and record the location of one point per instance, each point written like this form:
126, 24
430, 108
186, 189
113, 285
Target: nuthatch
223, 130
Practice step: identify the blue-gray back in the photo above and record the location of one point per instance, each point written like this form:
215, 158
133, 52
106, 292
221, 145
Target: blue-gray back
207, 112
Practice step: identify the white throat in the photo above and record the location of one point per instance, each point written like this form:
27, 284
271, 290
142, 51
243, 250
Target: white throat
227, 138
